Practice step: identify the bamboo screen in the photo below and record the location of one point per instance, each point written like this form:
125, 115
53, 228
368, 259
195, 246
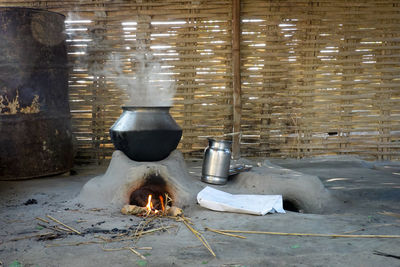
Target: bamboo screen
321, 77
317, 77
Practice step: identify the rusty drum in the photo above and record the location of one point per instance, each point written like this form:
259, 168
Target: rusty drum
35, 129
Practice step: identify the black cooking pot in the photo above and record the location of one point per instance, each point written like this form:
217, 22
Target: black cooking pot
146, 133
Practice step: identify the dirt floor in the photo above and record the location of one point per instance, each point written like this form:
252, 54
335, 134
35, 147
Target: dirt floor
369, 194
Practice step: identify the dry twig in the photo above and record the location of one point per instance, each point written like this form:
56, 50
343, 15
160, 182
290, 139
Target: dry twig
57, 221
222, 233
388, 213
196, 233
32, 236
50, 227
105, 240
75, 244
309, 234
137, 253
43, 220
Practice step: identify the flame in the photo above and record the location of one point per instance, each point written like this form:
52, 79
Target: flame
149, 205
162, 203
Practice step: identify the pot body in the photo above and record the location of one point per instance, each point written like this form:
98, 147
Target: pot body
146, 133
216, 162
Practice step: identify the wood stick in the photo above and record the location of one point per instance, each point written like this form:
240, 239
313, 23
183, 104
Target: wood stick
135, 236
50, 227
137, 253
222, 233
75, 244
237, 91
145, 248
310, 234
31, 236
57, 221
113, 249
43, 220
200, 237
62, 229
388, 213
105, 240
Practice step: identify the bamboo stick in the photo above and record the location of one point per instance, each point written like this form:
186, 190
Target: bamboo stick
137, 253
41, 219
200, 237
237, 105
308, 234
31, 236
57, 221
222, 233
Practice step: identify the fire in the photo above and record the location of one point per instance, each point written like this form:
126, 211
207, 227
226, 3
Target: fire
150, 207
162, 203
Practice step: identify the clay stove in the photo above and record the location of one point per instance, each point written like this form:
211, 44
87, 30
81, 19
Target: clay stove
130, 182
124, 177
146, 134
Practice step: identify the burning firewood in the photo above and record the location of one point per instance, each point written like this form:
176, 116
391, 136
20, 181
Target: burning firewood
142, 211
162, 208
133, 210
174, 211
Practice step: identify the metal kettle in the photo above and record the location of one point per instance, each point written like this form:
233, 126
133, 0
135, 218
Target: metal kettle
216, 162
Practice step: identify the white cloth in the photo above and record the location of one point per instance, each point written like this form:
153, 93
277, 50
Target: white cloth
214, 199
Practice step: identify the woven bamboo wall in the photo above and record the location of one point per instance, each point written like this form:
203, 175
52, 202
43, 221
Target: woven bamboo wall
318, 77
321, 77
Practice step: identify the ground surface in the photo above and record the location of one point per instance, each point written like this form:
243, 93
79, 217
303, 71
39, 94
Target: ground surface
370, 193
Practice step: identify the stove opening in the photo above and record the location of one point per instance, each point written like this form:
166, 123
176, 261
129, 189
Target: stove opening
155, 187
291, 205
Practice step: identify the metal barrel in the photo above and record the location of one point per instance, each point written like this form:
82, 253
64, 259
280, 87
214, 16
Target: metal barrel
35, 128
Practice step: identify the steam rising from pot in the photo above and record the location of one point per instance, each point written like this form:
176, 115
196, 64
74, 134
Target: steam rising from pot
149, 84
138, 73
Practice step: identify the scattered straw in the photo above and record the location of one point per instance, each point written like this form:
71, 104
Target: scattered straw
388, 213
309, 234
113, 249
75, 244
106, 240
222, 233
142, 225
96, 209
32, 236
43, 220
63, 229
196, 233
57, 221
137, 253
